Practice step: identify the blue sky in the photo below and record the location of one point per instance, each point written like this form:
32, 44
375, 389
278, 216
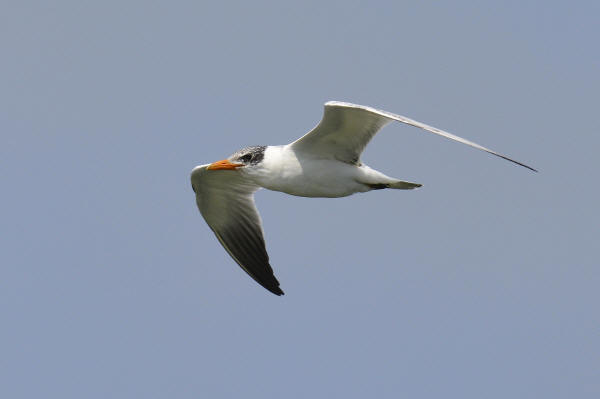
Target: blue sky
483, 283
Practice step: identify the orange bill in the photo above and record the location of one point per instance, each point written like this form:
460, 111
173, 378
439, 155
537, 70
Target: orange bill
223, 165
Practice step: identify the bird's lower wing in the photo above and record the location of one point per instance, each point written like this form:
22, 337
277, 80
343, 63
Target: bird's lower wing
346, 129
227, 204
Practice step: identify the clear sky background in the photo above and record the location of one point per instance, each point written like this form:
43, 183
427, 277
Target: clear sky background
482, 284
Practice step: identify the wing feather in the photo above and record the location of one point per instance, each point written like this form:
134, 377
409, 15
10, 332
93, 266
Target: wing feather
226, 201
346, 129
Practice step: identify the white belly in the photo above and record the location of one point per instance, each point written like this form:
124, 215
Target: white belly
283, 171
318, 178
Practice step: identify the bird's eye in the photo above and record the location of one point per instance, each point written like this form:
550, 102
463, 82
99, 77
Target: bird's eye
246, 158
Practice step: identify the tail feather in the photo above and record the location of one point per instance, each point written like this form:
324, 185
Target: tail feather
404, 185
399, 184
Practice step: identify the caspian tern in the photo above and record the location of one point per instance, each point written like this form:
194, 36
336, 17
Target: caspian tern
325, 162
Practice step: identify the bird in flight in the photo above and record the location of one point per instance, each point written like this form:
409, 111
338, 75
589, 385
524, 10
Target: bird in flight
325, 162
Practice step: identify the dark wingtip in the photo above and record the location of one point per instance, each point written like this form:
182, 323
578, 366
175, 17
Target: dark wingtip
276, 290
526, 166
272, 285
517, 162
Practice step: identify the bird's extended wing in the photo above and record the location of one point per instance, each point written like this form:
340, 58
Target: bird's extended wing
226, 201
346, 129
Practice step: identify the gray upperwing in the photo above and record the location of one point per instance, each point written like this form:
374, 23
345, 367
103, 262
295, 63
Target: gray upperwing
346, 129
